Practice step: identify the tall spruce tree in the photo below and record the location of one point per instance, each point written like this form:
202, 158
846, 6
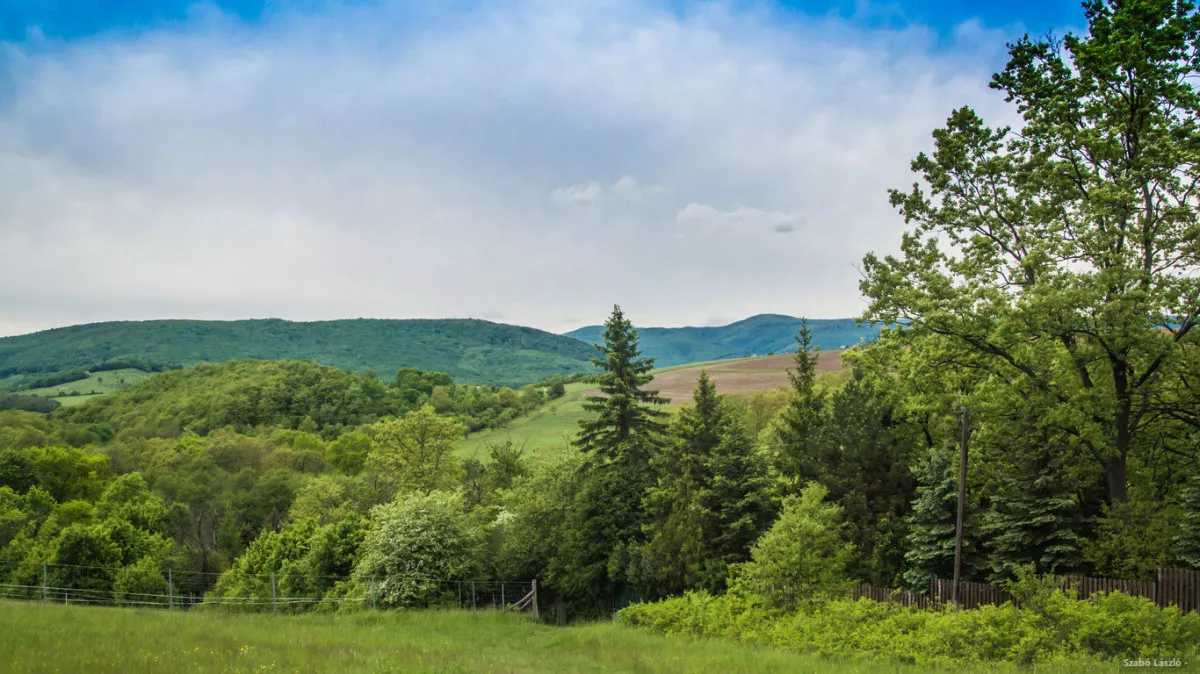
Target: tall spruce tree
626, 423
794, 438
603, 533
931, 523
1035, 517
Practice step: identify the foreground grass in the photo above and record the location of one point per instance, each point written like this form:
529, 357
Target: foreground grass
38, 638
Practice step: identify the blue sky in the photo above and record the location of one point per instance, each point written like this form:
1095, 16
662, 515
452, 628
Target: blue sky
531, 162
67, 19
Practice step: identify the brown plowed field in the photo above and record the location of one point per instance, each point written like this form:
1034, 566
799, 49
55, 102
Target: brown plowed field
745, 375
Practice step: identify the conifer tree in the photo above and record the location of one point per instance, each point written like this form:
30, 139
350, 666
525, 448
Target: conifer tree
931, 522
1187, 543
1036, 517
603, 533
710, 501
625, 422
794, 436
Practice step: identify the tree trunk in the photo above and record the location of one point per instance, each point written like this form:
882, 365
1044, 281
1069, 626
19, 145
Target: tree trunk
1114, 475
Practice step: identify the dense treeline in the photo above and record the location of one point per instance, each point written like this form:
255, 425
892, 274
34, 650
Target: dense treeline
55, 379
27, 403
472, 351
248, 395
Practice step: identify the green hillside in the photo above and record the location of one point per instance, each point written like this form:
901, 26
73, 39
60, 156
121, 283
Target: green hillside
757, 335
472, 351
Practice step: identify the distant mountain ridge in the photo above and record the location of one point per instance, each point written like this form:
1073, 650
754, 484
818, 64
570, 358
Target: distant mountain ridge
757, 335
471, 350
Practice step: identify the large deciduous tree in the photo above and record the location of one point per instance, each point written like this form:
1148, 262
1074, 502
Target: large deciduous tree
1063, 257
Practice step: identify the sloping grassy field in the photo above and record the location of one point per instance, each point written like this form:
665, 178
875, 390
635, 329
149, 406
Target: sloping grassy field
55, 638
551, 426
96, 382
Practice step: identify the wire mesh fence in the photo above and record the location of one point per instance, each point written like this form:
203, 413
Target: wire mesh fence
285, 592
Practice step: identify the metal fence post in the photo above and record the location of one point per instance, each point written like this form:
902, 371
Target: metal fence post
472, 595
372, 590
43, 582
170, 591
503, 604
274, 603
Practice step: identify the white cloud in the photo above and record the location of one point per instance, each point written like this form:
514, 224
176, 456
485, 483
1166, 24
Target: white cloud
365, 161
741, 217
585, 193
625, 189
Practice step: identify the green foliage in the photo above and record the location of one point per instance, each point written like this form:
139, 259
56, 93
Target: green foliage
625, 423
795, 432
27, 403
803, 555
1103, 629
349, 452
1133, 539
711, 499
55, 379
757, 335
303, 559
242, 395
414, 545
932, 523
1035, 518
415, 453
470, 350
863, 454
534, 515
1187, 541
1059, 262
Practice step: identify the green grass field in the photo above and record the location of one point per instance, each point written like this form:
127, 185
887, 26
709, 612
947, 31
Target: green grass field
97, 383
551, 426
55, 638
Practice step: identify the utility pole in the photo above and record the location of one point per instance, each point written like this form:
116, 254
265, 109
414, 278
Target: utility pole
962, 505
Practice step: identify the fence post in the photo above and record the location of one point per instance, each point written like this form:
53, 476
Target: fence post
503, 604
372, 590
274, 603
472, 596
535, 603
170, 591
43, 582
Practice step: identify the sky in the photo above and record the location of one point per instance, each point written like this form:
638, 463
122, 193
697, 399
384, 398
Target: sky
530, 162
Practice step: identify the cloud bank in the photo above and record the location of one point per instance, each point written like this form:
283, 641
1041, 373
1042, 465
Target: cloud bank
538, 162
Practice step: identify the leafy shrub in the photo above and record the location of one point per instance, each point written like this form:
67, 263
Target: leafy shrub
414, 546
1056, 629
803, 554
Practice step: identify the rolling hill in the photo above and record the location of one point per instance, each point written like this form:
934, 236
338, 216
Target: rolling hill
757, 335
472, 351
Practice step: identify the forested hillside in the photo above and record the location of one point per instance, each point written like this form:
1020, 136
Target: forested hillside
469, 350
757, 335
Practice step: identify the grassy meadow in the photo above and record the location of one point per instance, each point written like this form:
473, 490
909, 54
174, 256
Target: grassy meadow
553, 425
77, 392
55, 638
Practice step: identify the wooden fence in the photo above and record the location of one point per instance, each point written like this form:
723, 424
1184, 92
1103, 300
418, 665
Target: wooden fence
1173, 587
